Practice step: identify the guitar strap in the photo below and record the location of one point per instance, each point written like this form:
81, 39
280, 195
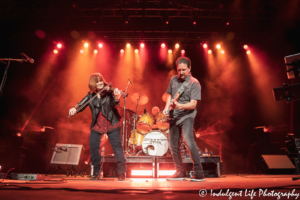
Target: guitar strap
183, 87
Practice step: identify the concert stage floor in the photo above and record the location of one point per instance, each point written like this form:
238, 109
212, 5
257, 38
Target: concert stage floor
238, 187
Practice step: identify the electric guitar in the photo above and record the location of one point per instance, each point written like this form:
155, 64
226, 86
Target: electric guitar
172, 106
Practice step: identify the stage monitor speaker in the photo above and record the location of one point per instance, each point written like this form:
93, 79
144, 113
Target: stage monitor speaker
277, 164
66, 154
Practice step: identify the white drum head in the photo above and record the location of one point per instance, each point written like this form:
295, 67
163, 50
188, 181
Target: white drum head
155, 143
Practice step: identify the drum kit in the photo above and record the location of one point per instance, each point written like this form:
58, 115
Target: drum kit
149, 135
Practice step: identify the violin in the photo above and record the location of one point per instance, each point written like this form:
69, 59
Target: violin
109, 89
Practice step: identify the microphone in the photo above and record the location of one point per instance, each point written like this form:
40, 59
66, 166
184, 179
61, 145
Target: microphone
27, 58
145, 111
129, 81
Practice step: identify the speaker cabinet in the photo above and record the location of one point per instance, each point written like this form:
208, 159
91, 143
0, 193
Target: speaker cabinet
66, 154
277, 164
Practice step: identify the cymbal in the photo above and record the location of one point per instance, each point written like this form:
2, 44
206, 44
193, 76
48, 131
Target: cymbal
165, 97
127, 111
143, 99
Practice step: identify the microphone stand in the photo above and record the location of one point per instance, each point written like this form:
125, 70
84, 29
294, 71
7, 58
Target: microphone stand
124, 144
6, 70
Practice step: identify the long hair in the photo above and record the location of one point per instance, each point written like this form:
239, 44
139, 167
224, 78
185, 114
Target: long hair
94, 79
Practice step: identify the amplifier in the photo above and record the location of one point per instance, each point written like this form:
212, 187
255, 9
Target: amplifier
27, 177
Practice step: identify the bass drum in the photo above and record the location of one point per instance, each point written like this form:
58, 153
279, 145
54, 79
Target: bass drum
155, 143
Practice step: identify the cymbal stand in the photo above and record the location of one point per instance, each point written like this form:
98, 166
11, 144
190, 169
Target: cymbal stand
134, 118
124, 118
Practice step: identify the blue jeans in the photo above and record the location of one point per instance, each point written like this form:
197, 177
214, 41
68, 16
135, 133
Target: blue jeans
186, 127
115, 140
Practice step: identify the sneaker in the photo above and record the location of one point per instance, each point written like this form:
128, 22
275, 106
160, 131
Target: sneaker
122, 177
178, 176
95, 177
198, 177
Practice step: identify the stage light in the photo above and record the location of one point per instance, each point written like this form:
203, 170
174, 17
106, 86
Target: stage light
55, 51
95, 51
142, 45
136, 51
127, 45
166, 172
248, 52
81, 51
100, 45
163, 45
177, 46
209, 51
182, 51
167, 22
222, 51
19, 134
227, 23
141, 172
245, 46
86, 45
59, 45
204, 46
122, 51
218, 46
194, 23
169, 51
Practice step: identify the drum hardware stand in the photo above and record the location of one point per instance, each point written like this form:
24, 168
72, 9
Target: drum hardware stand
134, 118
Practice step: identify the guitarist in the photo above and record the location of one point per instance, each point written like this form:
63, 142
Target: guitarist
184, 92
105, 119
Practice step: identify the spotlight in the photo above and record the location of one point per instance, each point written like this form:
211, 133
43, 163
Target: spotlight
194, 22
167, 22
59, 45
122, 51
142, 45
177, 46
169, 51
100, 45
136, 51
218, 46
245, 46
182, 51
19, 134
127, 45
81, 51
55, 51
209, 51
227, 23
248, 52
222, 51
204, 46
95, 51
163, 45
86, 45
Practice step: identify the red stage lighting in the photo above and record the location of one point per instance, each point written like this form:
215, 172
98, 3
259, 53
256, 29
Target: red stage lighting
167, 22
55, 51
169, 51
95, 51
122, 51
176, 45
166, 172
81, 51
218, 46
59, 45
127, 45
182, 51
136, 51
86, 45
227, 23
141, 172
19, 134
194, 23
248, 52
209, 51
204, 46
100, 45
245, 46
222, 51
163, 45
142, 45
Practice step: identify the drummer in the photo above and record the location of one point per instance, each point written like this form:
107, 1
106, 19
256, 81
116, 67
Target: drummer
155, 111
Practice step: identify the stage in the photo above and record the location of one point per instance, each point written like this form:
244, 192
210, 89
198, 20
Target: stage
225, 187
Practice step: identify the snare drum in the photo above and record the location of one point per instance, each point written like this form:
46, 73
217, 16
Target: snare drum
155, 143
144, 125
138, 139
162, 121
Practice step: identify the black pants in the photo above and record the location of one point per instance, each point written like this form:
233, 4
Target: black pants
187, 131
115, 141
